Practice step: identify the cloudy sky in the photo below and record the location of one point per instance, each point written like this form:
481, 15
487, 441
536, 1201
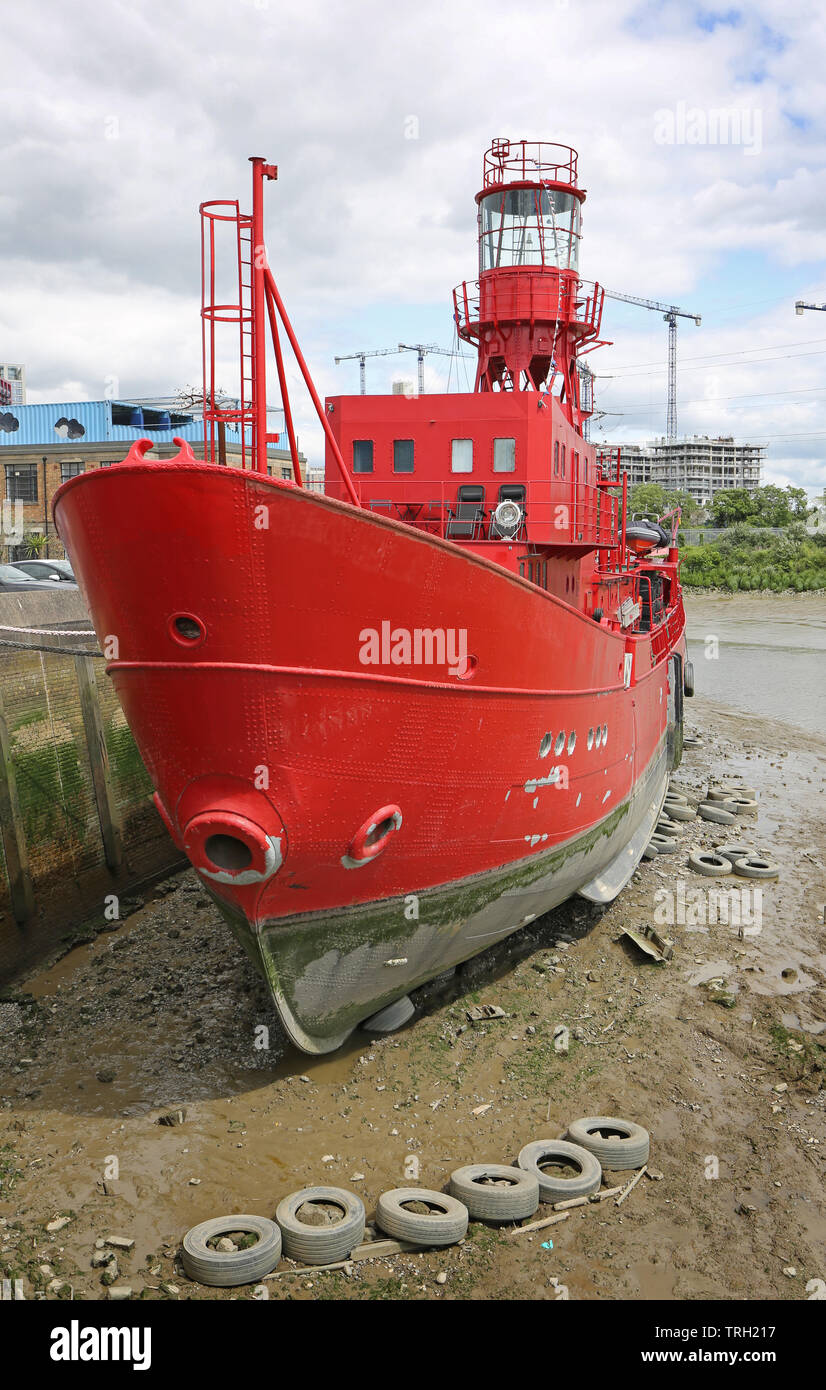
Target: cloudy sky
702, 145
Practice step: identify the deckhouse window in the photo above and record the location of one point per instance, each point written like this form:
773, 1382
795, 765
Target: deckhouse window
563, 460
461, 455
402, 455
556, 458
504, 455
362, 456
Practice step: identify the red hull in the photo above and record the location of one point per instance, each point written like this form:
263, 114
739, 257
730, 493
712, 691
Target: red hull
268, 731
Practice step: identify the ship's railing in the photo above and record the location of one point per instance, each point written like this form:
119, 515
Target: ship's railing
527, 294
666, 634
554, 513
529, 161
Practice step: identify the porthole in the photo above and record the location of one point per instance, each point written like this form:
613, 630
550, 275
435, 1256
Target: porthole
545, 745
604, 734
560, 743
590, 740
598, 737
571, 742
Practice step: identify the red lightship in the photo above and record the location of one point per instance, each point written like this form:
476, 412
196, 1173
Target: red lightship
395, 722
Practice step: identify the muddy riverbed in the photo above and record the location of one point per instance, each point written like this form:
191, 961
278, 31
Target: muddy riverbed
163, 1010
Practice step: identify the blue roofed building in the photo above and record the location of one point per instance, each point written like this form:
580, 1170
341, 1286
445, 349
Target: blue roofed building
41, 446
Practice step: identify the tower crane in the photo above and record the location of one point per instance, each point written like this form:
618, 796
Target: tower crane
421, 349
670, 313
376, 352
801, 304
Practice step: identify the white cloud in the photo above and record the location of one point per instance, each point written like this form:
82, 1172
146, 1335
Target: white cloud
117, 123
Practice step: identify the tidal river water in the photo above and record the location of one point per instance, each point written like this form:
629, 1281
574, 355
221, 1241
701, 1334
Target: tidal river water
763, 655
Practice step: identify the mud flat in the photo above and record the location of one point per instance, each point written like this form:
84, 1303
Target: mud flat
164, 1011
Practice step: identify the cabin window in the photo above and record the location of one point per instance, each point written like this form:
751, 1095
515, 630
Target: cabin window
461, 455
544, 574
556, 458
563, 460
362, 456
504, 455
402, 455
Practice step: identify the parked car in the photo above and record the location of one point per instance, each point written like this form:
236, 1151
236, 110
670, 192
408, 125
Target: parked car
55, 571
13, 578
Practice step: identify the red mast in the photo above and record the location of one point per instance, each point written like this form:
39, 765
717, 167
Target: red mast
527, 314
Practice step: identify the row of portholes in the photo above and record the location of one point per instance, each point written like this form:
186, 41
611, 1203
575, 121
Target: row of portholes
548, 742
597, 737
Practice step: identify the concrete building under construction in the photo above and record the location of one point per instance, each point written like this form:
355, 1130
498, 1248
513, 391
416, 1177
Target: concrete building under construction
700, 465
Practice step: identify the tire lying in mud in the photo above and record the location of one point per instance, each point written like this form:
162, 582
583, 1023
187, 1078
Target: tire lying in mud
753, 866
688, 678
678, 810
495, 1192
716, 811
445, 1225
626, 1146
224, 1269
665, 844
321, 1245
674, 795
743, 805
536, 1157
702, 861
650, 852
732, 852
390, 1018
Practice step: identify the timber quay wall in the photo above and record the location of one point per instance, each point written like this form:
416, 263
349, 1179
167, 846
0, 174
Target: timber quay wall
78, 830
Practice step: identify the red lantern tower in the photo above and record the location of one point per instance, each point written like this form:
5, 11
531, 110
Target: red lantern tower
529, 315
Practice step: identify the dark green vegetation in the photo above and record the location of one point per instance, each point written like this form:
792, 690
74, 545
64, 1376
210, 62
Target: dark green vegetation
766, 506
749, 557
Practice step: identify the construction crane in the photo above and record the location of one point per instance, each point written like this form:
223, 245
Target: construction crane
801, 304
670, 313
421, 349
377, 352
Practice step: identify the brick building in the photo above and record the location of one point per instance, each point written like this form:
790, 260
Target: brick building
41, 446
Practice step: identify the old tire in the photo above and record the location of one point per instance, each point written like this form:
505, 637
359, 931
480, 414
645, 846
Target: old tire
224, 1269
629, 1149
445, 1226
716, 811
674, 795
679, 811
650, 852
732, 852
553, 1188
703, 861
321, 1245
754, 866
688, 678
744, 805
488, 1203
669, 828
390, 1018
665, 844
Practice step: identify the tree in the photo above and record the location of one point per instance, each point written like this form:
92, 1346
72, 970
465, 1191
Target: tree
648, 498
733, 505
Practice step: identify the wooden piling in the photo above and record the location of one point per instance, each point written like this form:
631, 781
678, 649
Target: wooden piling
108, 816
11, 829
